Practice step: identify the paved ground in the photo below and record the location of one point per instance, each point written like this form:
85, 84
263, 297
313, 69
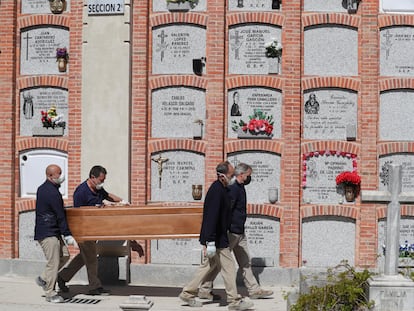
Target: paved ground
22, 294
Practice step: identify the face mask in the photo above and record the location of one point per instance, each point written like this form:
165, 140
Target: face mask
99, 186
248, 180
230, 181
59, 180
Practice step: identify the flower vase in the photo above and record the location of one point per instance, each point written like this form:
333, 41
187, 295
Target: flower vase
350, 193
57, 6
62, 64
197, 130
178, 6
273, 195
274, 65
197, 192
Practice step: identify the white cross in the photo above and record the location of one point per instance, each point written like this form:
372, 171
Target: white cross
394, 197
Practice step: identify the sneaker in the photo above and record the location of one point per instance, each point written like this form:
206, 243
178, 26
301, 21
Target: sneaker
261, 293
192, 302
55, 299
62, 285
99, 291
41, 282
240, 305
209, 296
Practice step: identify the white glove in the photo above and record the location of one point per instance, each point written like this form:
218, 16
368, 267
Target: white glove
211, 249
70, 240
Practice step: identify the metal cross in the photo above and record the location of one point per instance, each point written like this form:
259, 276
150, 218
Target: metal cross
27, 45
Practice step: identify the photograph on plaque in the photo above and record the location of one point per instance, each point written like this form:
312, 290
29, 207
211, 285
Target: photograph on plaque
254, 104
329, 114
43, 109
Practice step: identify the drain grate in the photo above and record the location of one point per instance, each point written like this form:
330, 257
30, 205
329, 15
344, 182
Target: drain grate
84, 301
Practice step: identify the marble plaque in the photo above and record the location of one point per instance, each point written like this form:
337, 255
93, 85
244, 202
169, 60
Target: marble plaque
28, 247
173, 173
327, 113
254, 5
174, 110
39, 7
396, 115
161, 6
406, 160
263, 237
242, 102
325, 6
265, 175
321, 172
391, 6
396, 53
38, 49
333, 45
35, 100
406, 232
406, 235
247, 52
176, 251
327, 240
175, 47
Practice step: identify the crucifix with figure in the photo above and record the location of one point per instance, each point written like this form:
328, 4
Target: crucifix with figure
160, 161
391, 291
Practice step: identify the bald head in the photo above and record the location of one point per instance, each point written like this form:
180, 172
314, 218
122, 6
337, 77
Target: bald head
52, 170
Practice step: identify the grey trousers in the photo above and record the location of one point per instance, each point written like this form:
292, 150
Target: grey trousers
222, 262
87, 257
57, 254
238, 244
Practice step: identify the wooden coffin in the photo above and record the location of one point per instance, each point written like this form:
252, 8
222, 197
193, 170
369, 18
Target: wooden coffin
134, 222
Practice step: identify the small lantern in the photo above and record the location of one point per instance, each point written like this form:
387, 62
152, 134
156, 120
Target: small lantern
276, 4
352, 6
